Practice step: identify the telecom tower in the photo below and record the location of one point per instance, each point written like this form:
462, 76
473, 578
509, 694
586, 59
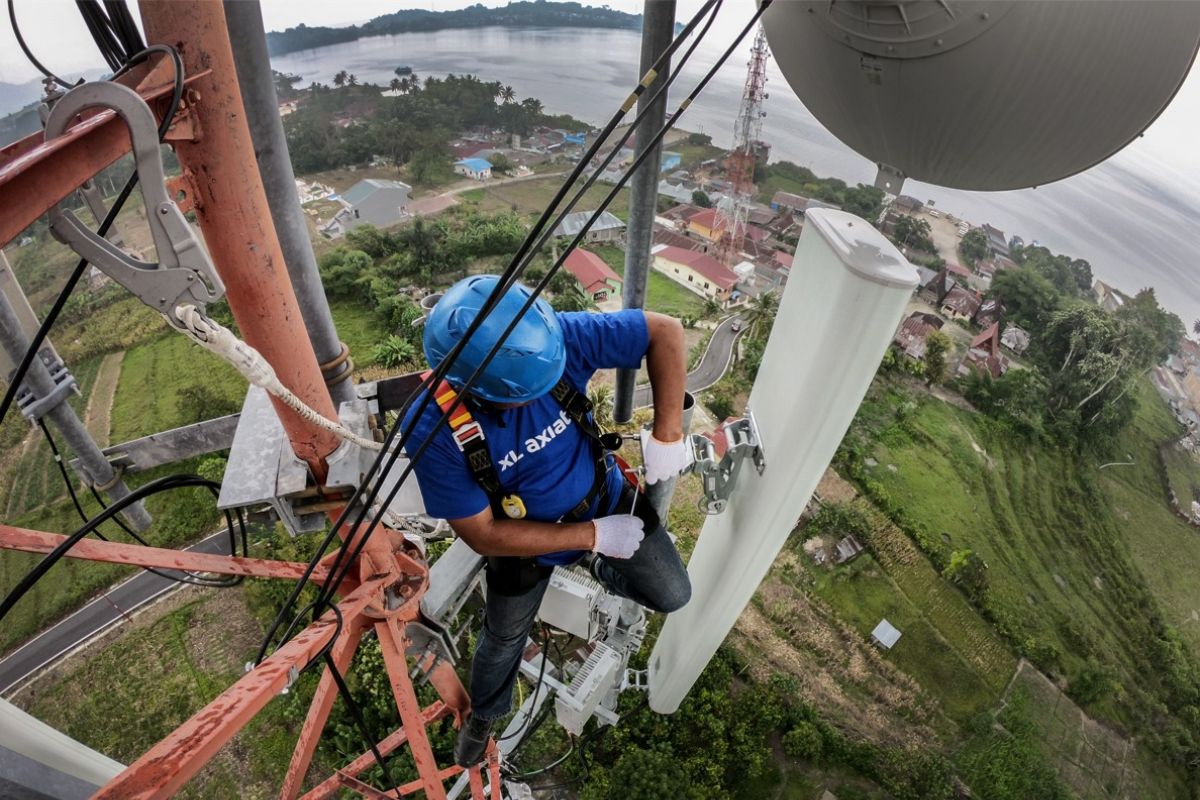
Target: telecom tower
748, 147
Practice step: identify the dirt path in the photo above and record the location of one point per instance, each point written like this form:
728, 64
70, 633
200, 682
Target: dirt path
98, 417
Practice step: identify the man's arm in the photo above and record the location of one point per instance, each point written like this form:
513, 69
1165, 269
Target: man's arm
489, 536
666, 362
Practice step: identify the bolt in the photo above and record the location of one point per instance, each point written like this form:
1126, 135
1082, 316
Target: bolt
938, 43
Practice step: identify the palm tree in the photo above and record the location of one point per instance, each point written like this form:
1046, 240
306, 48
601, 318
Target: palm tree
760, 315
1196, 327
396, 85
352, 80
339, 80
532, 105
507, 94
601, 396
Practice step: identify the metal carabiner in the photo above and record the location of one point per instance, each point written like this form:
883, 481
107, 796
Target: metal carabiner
184, 273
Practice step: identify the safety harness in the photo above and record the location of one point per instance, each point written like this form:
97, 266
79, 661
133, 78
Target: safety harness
468, 435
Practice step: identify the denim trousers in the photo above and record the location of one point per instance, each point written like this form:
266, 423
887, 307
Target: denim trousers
654, 577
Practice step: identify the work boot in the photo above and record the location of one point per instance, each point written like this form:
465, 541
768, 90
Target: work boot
472, 741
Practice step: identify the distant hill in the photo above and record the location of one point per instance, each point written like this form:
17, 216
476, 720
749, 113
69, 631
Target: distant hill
524, 14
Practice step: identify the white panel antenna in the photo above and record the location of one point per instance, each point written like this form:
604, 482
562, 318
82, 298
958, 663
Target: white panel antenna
847, 291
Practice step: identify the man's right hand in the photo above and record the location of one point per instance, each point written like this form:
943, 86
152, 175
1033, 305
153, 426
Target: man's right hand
619, 536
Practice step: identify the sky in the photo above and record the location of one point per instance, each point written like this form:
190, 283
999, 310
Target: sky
56, 34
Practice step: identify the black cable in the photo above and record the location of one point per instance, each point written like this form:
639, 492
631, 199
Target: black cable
44, 329
356, 712
536, 691
330, 589
12, 18
437, 375
154, 487
518, 264
183, 576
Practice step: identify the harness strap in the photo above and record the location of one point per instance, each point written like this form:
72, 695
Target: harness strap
468, 435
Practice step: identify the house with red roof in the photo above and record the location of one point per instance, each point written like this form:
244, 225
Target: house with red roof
699, 272
910, 336
984, 354
595, 276
704, 223
960, 303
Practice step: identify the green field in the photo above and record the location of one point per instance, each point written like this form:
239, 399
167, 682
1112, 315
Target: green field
1070, 550
529, 198
662, 293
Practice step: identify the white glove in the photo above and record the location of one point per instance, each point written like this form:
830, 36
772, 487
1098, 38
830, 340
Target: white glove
619, 536
663, 460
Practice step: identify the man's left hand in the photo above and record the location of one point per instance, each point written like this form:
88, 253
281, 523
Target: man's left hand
663, 460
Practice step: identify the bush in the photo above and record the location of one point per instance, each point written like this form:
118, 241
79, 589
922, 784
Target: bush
803, 742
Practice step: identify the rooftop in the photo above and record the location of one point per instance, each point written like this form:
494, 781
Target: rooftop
573, 223
702, 263
590, 269
474, 164
365, 188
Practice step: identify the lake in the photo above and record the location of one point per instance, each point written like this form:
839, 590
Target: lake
1135, 218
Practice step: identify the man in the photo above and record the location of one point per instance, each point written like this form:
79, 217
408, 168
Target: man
521, 474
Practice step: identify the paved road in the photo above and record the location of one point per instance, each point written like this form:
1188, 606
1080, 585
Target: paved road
712, 364
95, 617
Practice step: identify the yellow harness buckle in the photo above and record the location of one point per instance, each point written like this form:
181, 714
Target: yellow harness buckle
513, 505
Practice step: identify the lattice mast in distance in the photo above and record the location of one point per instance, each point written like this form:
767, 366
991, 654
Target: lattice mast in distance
734, 206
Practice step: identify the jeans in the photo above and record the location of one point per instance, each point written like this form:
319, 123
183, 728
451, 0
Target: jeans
654, 577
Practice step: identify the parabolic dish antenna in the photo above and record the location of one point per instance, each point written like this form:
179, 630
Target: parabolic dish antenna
984, 95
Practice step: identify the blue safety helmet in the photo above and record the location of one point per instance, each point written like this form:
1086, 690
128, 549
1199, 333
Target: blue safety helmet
526, 366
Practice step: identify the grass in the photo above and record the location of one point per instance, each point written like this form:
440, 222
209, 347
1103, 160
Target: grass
359, 327
863, 593
1071, 551
662, 293
35, 478
153, 373
529, 198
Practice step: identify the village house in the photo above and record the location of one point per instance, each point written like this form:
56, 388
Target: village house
935, 290
678, 216
704, 223
910, 336
906, 205
1107, 297
597, 278
996, 240
478, 169
1015, 339
699, 272
374, 201
608, 226
990, 310
960, 303
984, 354
666, 235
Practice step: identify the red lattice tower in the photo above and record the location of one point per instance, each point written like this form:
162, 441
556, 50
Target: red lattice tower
729, 228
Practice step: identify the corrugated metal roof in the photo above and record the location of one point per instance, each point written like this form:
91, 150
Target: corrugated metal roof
474, 164
365, 188
886, 634
573, 223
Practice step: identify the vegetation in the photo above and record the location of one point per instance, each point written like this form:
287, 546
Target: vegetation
913, 232
520, 14
865, 201
974, 246
937, 347
411, 129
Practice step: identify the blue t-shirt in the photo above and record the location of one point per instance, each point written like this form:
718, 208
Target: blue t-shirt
539, 453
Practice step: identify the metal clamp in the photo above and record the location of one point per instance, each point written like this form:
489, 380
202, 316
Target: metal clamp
33, 407
184, 272
718, 477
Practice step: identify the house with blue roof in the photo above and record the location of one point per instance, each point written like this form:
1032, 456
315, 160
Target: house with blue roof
479, 169
670, 161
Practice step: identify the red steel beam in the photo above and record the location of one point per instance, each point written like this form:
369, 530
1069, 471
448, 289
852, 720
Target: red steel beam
318, 712
329, 787
35, 175
136, 555
231, 207
171, 763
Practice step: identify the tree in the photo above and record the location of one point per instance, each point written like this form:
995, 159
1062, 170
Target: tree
352, 80
339, 80
937, 346
573, 298
974, 246
501, 163
701, 198
507, 95
968, 571
803, 742
1160, 331
601, 396
759, 316
865, 201
1029, 298
913, 232
396, 85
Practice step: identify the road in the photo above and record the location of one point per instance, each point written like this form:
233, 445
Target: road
712, 364
94, 618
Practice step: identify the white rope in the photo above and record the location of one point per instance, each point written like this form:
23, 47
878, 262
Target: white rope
218, 339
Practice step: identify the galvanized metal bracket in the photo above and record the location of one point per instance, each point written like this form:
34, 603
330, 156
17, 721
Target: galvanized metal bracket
184, 273
718, 477
33, 408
